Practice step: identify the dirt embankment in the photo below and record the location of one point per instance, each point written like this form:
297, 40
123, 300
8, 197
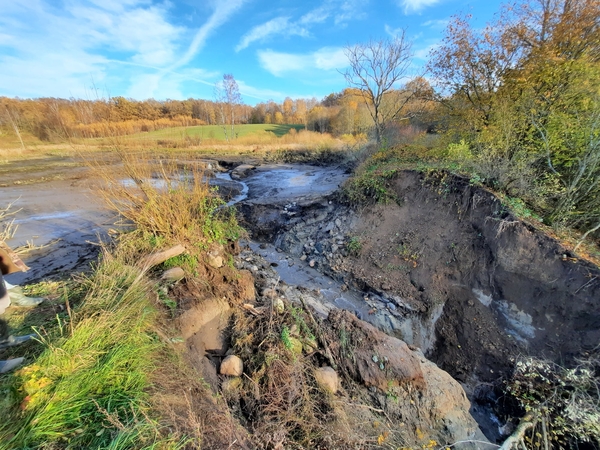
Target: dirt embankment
455, 273
305, 378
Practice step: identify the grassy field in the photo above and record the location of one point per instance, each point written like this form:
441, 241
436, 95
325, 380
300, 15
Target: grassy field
215, 131
203, 138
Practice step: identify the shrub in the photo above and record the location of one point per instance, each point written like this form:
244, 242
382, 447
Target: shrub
563, 402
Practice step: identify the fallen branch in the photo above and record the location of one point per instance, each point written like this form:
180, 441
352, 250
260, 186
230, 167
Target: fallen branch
517, 436
160, 257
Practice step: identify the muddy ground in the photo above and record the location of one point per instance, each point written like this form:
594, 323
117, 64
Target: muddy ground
447, 268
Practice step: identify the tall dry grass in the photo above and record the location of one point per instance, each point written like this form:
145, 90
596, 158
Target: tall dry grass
167, 201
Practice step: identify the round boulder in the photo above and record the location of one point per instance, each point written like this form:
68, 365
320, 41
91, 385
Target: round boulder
232, 366
327, 379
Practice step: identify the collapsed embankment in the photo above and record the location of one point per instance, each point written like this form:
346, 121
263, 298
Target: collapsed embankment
449, 268
470, 283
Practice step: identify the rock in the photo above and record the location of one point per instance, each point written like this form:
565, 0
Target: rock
278, 305
403, 365
242, 171
172, 275
327, 379
312, 263
215, 261
232, 365
269, 293
303, 257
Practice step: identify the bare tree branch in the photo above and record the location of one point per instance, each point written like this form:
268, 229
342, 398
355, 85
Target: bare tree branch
376, 68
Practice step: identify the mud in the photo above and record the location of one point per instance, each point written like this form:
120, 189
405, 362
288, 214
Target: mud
62, 221
447, 269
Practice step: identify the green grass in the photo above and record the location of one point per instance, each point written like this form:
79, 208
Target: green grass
88, 387
88, 383
214, 131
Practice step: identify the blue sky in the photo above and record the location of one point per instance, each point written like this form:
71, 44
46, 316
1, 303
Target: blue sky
180, 48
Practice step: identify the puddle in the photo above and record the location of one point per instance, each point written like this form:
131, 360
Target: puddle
224, 182
280, 183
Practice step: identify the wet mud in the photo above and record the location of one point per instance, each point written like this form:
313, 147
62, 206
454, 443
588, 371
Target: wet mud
447, 269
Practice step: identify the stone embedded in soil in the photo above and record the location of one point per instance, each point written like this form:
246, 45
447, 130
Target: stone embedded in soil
269, 293
174, 274
232, 366
278, 305
327, 379
402, 364
215, 261
242, 171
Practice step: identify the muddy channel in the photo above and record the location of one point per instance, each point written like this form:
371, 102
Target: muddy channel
446, 270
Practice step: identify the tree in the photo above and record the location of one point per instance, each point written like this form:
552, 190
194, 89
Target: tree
528, 86
469, 67
227, 94
376, 67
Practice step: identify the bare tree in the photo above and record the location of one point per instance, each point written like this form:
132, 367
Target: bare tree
228, 97
376, 68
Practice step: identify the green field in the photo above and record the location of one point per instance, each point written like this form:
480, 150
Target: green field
214, 131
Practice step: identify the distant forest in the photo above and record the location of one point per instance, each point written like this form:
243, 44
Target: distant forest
56, 119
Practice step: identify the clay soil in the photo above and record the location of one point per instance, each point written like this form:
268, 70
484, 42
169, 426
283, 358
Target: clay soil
492, 285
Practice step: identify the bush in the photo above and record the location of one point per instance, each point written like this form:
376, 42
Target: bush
563, 402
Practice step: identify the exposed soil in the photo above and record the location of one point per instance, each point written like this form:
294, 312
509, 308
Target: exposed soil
447, 269
450, 270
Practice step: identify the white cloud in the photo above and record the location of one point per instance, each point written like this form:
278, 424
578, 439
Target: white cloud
279, 63
330, 58
341, 10
393, 32
411, 6
349, 10
439, 24
279, 25
52, 51
223, 11
259, 94
423, 52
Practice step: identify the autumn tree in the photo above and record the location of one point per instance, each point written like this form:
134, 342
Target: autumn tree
469, 67
376, 69
528, 86
228, 97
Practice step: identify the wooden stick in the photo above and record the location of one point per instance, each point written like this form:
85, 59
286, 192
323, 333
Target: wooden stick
157, 258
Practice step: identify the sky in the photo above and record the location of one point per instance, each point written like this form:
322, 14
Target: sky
179, 49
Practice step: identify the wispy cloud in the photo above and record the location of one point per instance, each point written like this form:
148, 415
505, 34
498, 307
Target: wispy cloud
393, 32
413, 6
439, 24
279, 63
223, 11
349, 10
52, 51
258, 93
341, 11
279, 25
